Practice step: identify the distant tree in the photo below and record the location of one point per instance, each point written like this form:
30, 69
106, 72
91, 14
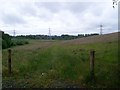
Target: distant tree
6, 40
80, 35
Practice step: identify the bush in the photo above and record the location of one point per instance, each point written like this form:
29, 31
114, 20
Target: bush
16, 42
6, 41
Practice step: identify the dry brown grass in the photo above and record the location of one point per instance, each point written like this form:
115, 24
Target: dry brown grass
34, 45
94, 39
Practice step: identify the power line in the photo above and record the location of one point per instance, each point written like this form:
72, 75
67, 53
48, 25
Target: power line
14, 33
49, 34
101, 29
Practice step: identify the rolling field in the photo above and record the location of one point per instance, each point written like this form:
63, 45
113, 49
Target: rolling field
63, 63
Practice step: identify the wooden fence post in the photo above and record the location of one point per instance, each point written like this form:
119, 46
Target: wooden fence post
92, 58
9, 61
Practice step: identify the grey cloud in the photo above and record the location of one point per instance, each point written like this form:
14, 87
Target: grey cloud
27, 9
12, 19
75, 7
52, 6
76, 11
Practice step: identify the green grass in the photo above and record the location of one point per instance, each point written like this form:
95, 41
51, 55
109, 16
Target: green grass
62, 66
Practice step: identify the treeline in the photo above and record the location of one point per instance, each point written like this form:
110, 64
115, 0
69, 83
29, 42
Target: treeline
8, 41
55, 37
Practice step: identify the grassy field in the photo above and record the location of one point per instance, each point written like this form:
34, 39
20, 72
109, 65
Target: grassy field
62, 64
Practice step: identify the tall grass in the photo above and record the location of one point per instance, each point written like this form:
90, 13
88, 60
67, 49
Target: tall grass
63, 66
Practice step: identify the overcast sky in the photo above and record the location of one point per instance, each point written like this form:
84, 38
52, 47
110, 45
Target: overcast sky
62, 16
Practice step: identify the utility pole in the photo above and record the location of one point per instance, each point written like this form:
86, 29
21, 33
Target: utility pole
14, 33
101, 29
49, 34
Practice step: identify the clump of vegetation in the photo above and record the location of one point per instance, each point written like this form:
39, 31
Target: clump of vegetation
9, 41
6, 40
16, 42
